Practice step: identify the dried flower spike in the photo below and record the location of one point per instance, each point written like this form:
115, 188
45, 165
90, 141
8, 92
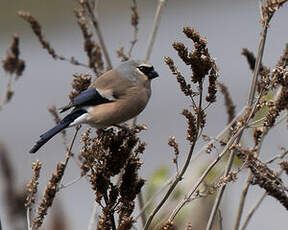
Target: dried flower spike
284, 58
230, 107
91, 48
48, 196
185, 88
281, 103
212, 90
79, 84
12, 64
37, 29
284, 166
191, 130
53, 111
269, 8
32, 186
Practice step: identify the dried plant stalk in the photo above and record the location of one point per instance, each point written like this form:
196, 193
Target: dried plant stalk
201, 64
91, 48
104, 157
161, 4
48, 196
12, 64
230, 107
88, 8
32, 186
265, 177
37, 30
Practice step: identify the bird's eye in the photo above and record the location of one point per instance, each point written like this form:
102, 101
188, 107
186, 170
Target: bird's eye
148, 71
145, 69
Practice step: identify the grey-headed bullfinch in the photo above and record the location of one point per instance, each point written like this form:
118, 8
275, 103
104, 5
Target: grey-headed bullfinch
113, 98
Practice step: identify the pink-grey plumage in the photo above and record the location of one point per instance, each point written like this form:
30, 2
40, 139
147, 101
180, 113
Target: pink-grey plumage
113, 98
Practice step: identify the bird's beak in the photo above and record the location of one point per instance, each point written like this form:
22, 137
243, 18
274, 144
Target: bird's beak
152, 74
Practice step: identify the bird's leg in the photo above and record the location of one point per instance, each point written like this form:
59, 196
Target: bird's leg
123, 127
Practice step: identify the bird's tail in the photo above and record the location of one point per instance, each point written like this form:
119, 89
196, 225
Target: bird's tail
58, 128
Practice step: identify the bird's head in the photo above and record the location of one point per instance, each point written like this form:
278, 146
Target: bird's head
148, 70
137, 69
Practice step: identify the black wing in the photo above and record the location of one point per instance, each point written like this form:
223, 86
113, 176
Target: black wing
89, 97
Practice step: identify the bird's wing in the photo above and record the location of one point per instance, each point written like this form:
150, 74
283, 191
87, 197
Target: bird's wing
89, 97
112, 84
104, 89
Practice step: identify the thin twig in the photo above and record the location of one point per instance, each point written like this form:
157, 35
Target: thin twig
71, 60
111, 215
95, 23
253, 210
141, 206
28, 216
279, 156
245, 191
281, 119
220, 220
161, 4
134, 23
196, 196
242, 200
257, 65
250, 125
62, 186
220, 135
69, 153
93, 217
222, 189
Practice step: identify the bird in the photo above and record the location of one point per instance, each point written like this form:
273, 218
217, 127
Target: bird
113, 98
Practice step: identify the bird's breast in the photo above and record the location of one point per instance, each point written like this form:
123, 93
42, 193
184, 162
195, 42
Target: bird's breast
119, 111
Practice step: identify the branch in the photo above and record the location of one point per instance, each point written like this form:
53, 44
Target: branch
258, 65
242, 201
156, 23
253, 210
134, 23
93, 217
94, 19
37, 30
249, 105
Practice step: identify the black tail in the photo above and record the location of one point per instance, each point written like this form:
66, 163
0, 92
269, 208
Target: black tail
58, 128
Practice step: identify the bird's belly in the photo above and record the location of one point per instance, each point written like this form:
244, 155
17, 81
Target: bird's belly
102, 116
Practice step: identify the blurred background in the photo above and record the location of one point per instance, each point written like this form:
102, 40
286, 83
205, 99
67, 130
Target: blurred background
228, 25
